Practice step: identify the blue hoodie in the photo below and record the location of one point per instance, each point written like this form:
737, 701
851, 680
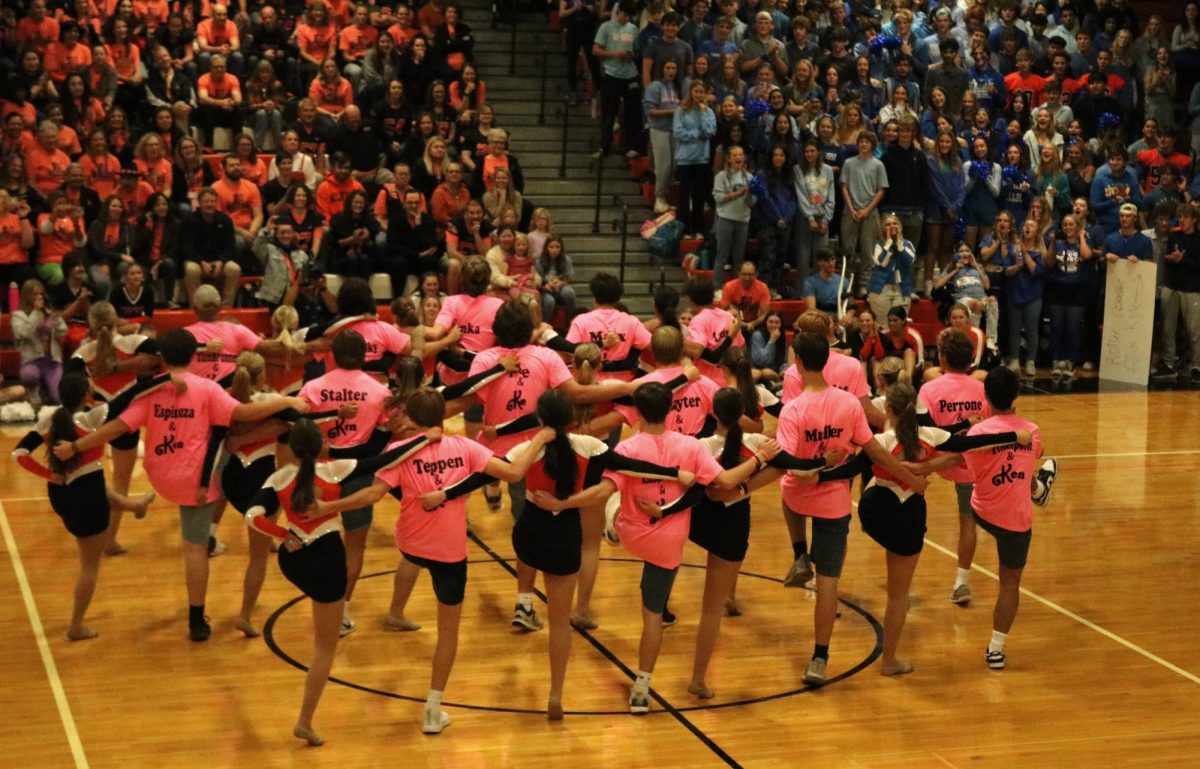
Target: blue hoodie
1109, 191
779, 202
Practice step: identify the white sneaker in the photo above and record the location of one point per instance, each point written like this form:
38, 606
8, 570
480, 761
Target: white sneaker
434, 721
611, 510
1013, 365
661, 206
1030, 369
815, 675
1056, 369
348, 627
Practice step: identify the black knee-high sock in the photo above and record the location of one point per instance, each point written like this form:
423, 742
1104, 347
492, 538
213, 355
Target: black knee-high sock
821, 652
799, 548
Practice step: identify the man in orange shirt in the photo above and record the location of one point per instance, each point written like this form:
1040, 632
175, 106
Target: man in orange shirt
220, 100
354, 42
45, 164
331, 193
219, 35
747, 295
241, 201
38, 30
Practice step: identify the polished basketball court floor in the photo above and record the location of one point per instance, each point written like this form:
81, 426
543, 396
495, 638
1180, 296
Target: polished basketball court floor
1103, 663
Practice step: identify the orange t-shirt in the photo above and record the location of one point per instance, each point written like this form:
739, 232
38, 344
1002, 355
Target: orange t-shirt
430, 16
135, 199
331, 195
226, 34
125, 60
68, 140
315, 41
158, 174
37, 34
153, 12
256, 172
101, 174
354, 42
219, 89
490, 164
46, 170
238, 201
10, 241
54, 246
389, 192
61, 62
333, 97
402, 35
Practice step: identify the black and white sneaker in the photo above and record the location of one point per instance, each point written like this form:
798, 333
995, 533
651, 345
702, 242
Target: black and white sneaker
668, 618
995, 660
526, 619
639, 703
215, 546
1046, 475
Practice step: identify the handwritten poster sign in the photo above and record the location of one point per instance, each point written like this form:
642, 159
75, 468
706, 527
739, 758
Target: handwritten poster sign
1128, 322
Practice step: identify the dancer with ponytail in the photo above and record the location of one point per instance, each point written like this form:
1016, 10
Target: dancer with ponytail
437, 540
114, 362
654, 519
551, 542
76, 487
312, 556
893, 513
286, 377
722, 527
184, 432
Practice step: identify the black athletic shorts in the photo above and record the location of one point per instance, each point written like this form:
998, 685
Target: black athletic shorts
656, 587
723, 531
899, 527
828, 548
548, 542
126, 441
318, 569
82, 505
449, 579
1011, 546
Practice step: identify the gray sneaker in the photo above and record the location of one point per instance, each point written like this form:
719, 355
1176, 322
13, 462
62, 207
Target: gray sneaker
961, 595
815, 675
639, 703
801, 572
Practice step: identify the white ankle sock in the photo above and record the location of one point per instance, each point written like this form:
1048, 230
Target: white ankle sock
961, 579
433, 701
642, 684
212, 529
997, 642
525, 601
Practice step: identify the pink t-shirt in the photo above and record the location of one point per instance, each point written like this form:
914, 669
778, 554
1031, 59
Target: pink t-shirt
338, 387
659, 542
474, 316
514, 395
381, 338
690, 404
1002, 474
841, 371
810, 425
439, 534
952, 398
234, 339
594, 326
710, 327
177, 432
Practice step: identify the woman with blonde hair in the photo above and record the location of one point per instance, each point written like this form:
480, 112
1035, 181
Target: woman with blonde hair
153, 163
114, 362
38, 333
431, 170
500, 195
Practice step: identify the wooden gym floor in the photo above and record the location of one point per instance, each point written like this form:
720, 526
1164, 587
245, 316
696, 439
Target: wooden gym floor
1103, 662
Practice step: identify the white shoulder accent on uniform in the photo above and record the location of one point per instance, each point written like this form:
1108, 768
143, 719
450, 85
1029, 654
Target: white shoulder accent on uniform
92, 419
766, 398
587, 446
336, 470
280, 479
517, 450
934, 436
128, 343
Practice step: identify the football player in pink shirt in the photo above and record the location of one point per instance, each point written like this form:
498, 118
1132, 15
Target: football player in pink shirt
819, 420
513, 397
712, 330
1000, 500
620, 336
845, 373
184, 433
363, 435
956, 400
655, 514
437, 539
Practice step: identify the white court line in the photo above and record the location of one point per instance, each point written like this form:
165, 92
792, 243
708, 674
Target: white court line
1127, 454
39, 634
1081, 620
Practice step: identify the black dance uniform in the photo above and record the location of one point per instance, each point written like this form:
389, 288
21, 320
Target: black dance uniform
318, 566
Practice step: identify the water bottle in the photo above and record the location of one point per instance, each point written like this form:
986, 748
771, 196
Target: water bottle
14, 297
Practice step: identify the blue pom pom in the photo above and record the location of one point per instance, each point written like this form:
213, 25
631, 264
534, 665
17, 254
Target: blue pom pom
758, 188
892, 43
960, 228
1110, 120
756, 108
980, 170
1011, 174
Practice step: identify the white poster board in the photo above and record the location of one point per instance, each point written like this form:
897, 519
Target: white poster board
1128, 322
